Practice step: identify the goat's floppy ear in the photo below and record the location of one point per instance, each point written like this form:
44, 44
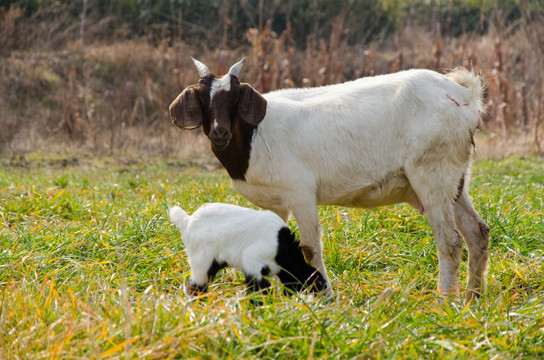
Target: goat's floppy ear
251, 105
185, 110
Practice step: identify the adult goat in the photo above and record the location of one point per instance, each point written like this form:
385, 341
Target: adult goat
403, 137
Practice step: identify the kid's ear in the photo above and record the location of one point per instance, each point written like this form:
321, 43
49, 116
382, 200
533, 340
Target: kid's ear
185, 110
251, 105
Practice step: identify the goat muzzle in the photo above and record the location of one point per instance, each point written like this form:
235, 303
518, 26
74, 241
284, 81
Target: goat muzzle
220, 137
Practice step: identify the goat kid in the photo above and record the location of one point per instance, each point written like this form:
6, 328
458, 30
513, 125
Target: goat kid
403, 137
256, 242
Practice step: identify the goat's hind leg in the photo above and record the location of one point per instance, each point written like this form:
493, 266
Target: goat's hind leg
449, 246
476, 234
202, 275
437, 199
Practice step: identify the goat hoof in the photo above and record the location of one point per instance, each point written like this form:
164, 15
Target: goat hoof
192, 289
472, 297
328, 293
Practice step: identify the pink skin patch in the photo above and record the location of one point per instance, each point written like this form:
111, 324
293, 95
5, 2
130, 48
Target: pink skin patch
452, 99
479, 126
420, 206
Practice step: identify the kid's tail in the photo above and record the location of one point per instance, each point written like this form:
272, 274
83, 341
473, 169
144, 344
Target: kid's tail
178, 217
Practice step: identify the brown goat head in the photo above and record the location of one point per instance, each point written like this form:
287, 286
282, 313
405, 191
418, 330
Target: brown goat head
218, 104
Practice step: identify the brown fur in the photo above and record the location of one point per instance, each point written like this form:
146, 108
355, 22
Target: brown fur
185, 110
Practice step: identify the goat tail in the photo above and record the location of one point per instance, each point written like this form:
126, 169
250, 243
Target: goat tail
178, 217
473, 82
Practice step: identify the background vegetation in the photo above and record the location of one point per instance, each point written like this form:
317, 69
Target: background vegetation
89, 76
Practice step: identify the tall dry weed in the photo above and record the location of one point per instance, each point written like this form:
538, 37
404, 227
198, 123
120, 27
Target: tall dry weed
8, 21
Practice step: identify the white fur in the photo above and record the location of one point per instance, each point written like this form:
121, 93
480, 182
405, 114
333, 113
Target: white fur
221, 84
347, 137
366, 143
245, 239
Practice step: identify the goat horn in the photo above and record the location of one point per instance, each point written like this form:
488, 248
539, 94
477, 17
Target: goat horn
235, 69
202, 69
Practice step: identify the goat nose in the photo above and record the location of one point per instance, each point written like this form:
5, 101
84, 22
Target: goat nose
220, 133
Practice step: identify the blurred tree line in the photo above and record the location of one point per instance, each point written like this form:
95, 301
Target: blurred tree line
224, 23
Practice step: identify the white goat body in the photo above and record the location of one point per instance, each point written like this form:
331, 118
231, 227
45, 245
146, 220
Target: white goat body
351, 144
212, 230
219, 235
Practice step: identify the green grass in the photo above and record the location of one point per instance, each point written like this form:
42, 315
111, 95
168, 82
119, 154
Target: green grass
91, 268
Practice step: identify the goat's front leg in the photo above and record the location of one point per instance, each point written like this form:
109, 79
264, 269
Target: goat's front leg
255, 284
307, 218
283, 213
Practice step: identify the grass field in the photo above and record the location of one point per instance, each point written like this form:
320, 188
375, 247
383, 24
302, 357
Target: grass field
90, 268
